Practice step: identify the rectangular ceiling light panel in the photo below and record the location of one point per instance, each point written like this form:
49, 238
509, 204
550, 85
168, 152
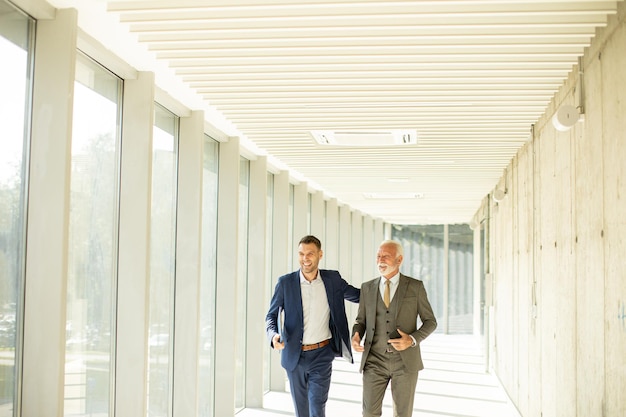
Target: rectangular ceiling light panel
393, 196
365, 137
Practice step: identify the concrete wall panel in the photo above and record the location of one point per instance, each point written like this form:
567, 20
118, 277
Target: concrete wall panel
500, 235
522, 195
509, 205
565, 276
614, 152
534, 339
589, 250
548, 271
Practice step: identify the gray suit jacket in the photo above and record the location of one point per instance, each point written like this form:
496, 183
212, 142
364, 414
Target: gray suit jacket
412, 303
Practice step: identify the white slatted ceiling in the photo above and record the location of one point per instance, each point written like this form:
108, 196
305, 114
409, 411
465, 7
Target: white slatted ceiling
470, 76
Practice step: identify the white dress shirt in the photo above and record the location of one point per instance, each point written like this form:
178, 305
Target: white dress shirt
315, 310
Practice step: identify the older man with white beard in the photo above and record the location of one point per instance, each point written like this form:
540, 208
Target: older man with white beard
387, 334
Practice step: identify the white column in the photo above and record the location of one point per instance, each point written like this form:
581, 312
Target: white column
226, 288
356, 266
385, 231
257, 302
370, 247
48, 217
478, 279
317, 219
446, 279
281, 250
357, 248
188, 254
379, 235
345, 241
331, 244
134, 247
300, 209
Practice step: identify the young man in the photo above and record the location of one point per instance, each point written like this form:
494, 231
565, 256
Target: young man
315, 328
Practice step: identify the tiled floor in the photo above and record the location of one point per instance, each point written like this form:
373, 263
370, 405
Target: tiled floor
454, 384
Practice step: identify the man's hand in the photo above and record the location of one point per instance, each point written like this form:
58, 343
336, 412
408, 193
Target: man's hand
278, 345
356, 343
401, 343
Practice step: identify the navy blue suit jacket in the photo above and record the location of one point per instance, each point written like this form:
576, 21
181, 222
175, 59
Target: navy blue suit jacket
288, 298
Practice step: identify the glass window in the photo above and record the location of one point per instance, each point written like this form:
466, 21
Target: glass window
242, 285
208, 276
92, 250
424, 260
162, 262
15, 88
461, 279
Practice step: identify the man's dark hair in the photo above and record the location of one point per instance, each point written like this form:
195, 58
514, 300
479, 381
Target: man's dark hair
311, 239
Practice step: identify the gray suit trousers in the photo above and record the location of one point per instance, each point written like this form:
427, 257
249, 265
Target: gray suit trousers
381, 369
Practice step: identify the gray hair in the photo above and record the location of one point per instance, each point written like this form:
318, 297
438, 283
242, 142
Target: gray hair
395, 243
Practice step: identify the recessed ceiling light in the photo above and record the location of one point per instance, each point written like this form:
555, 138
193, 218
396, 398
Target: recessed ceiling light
347, 105
393, 196
365, 137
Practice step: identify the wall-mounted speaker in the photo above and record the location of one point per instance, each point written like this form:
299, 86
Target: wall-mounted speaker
565, 117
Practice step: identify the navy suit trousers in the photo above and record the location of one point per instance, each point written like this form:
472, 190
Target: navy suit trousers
310, 382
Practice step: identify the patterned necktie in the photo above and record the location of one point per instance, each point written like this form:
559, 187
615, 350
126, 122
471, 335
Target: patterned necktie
387, 292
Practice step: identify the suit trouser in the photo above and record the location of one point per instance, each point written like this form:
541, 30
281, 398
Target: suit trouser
379, 370
310, 382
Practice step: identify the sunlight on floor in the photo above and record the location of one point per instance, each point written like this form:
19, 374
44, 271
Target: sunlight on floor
454, 384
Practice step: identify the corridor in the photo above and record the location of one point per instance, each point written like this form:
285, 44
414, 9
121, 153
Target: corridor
453, 384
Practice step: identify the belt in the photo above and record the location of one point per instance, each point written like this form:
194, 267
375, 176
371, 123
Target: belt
315, 345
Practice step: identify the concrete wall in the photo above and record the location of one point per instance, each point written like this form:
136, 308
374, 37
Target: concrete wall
558, 251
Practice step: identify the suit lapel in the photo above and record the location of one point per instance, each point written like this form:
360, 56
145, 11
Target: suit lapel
372, 299
296, 295
329, 290
401, 292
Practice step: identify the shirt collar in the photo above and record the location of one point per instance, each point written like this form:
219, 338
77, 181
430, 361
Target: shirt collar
394, 279
303, 279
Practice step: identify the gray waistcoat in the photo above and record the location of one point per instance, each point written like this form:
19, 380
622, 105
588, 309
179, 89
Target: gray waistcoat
385, 323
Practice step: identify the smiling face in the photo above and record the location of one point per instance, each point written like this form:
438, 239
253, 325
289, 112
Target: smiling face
309, 255
388, 260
